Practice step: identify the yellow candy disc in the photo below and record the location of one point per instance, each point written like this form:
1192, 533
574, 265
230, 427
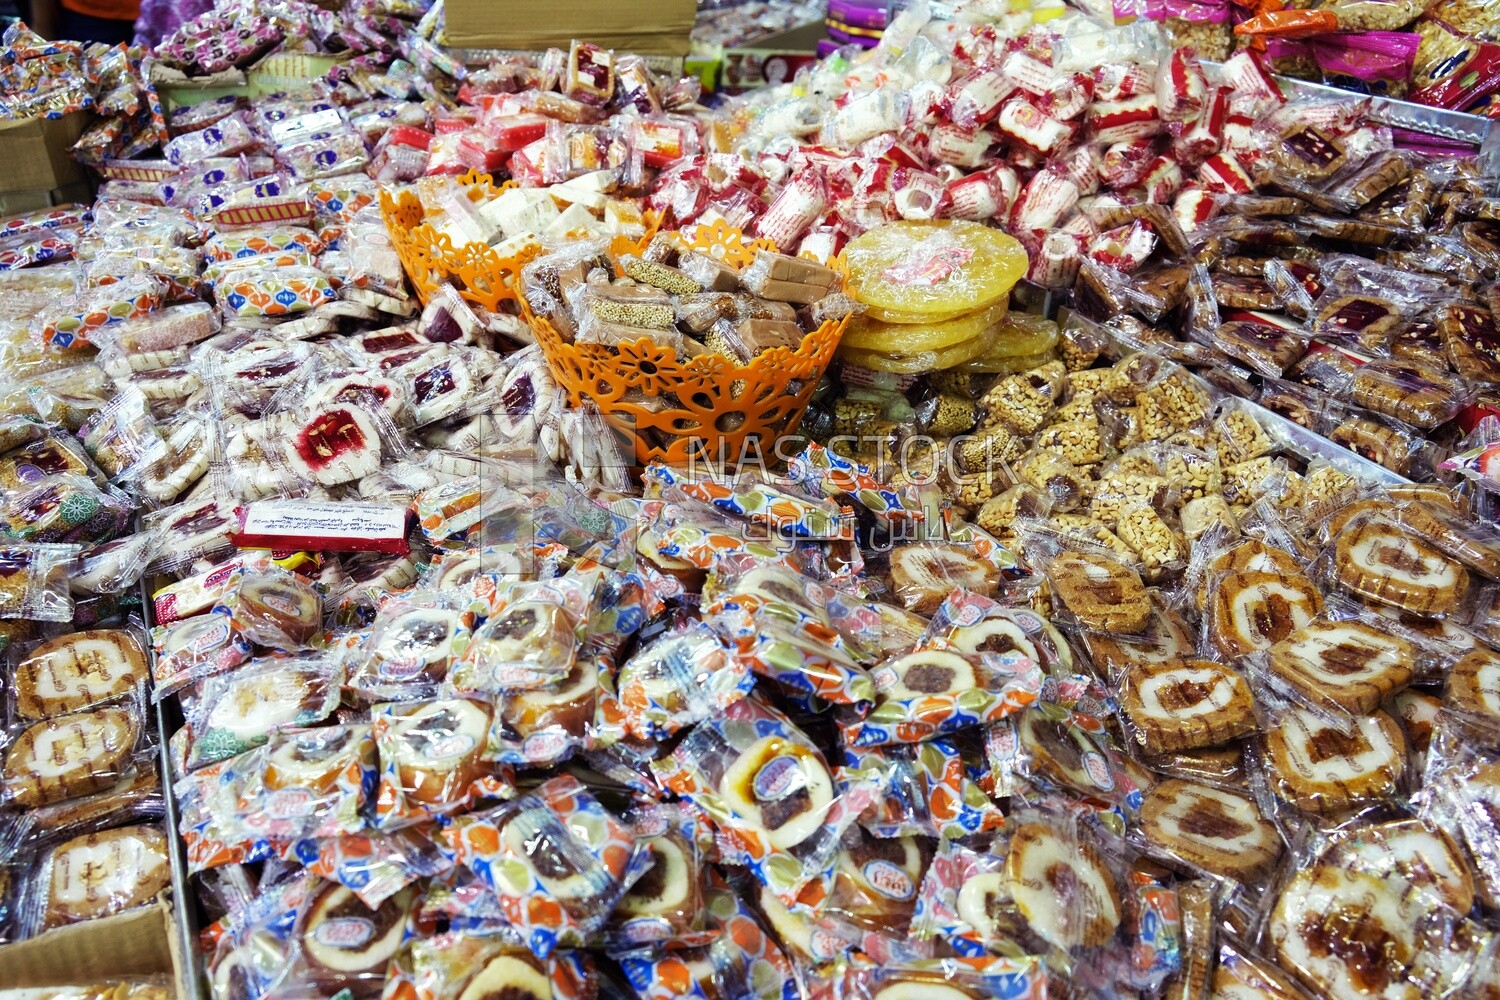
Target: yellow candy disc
912, 338
916, 364
928, 272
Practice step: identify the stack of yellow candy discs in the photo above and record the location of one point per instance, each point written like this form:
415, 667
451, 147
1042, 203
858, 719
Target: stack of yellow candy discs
937, 296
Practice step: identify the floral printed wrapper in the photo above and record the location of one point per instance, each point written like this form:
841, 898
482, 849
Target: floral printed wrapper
556, 859
928, 793
1008, 682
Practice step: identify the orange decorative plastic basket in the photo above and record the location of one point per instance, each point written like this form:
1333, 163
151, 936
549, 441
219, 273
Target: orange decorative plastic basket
704, 408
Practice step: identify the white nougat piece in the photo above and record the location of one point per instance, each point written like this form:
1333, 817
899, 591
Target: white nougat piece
572, 219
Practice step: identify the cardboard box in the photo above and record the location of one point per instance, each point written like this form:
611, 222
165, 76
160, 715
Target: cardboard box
771, 60
35, 153
660, 27
138, 943
23, 202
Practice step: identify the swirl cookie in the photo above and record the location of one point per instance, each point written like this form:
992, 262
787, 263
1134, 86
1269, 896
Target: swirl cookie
876, 882
77, 671
1321, 770
1060, 754
1062, 888
568, 704
1217, 830
349, 945
1005, 630
315, 760
928, 672
1165, 637
779, 788
1422, 854
1103, 594
412, 648
1474, 683
923, 575
100, 874
435, 749
1347, 664
1249, 556
1385, 564
670, 888
69, 756
1348, 935
512, 977
983, 902
278, 610
1186, 705
1251, 611
904, 986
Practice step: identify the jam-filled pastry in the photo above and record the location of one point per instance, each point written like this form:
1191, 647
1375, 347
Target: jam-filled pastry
1060, 754
1413, 849
1474, 684
99, 874
1347, 664
1383, 563
923, 575
984, 903
411, 648
537, 633
278, 610
777, 585
316, 759
1062, 887
876, 881
243, 972
568, 704
509, 977
563, 862
1321, 770
1250, 556
69, 756
1003, 630
77, 671
1253, 611
906, 986
1187, 704
670, 888
339, 444
932, 671
1348, 935
436, 749
348, 944
1103, 594
1244, 975
781, 789
1217, 830
1165, 637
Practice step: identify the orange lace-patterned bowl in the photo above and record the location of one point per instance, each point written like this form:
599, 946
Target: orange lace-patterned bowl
705, 408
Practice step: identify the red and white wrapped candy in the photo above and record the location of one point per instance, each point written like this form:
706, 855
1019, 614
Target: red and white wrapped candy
1193, 207
975, 99
1121, 81
1029, 73
882, 110
959, 146
1223, 173
1028, 126
1047, 197
1124, 164
1203, 138
1069, 97
919, 195
1124, 248
1121, 121
1055, 264
1181, 87
1163, 179
1083, 165
973, 197
794, 211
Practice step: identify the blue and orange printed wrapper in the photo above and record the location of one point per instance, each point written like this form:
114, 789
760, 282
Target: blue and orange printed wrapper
231, 815
928, 793
131, 298
1009, 682
437, 967
824, 473
376, 866
761, 503
606, 858
750, 736
282, 292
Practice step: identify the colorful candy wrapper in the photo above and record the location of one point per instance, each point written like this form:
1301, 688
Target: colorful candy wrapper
700, 536
406, 653
61, 217
778, 622
376, 866
928, 793
737, 956
965, 690
529, 640
487, 959
196, 647
284, 292
824, 473
308, 785
41, 246
668, 903
556, 858
1022, 978
779, 807
680, 679
69, 324
759, 503
430, 757
281, 239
